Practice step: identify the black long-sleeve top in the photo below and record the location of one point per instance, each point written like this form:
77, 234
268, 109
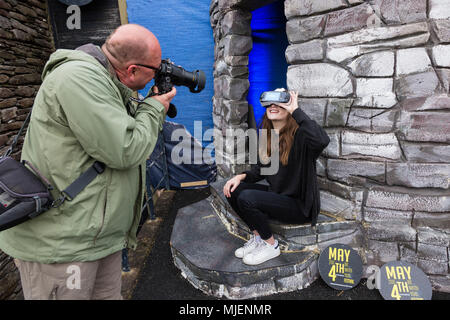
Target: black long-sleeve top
298, 178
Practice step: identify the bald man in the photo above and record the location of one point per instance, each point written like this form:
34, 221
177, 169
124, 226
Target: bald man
83, 114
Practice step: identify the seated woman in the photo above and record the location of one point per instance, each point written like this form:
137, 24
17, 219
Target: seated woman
292, 195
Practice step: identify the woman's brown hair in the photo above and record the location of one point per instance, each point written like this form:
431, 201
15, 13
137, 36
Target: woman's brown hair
286, 136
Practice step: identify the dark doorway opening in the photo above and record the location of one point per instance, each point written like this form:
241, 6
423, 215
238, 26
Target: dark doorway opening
267, 62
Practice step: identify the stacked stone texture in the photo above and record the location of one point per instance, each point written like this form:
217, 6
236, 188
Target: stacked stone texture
375, 74
25, 45
233, 43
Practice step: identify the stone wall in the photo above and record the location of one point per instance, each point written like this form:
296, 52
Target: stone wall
25, 45
375, 74
233, 43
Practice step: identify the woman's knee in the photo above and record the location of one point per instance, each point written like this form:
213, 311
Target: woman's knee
247, 199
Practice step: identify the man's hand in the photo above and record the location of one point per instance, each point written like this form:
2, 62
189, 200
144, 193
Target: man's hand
166, 98
292, 105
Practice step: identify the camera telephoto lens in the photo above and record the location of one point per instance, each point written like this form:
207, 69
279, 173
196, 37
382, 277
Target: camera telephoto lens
195, 81
170, 75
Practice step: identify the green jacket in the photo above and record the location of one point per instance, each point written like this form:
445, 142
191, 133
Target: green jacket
79, 116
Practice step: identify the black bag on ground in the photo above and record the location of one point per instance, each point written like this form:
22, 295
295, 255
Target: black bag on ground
25, 193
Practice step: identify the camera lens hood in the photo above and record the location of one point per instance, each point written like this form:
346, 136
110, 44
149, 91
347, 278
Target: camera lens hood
199, 81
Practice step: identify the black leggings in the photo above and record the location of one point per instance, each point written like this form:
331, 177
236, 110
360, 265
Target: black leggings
255, 205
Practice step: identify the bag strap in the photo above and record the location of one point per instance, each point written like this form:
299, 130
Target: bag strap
75, 187
80, 183
16, 138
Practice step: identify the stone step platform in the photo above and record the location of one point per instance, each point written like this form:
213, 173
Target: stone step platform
203, 250
329, 228
206, 234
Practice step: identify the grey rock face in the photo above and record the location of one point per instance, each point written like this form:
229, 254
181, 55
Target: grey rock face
337, 112
343, 170
378, 93
307, 7
436, 221
412, 60
351, 19
441, 29
341, 189
236, 45
303, 29
236, 60
368, 40
433, 236
425, 152
385, 216
439, 9
381, 252
333, 148
419, 175
233, 112
372, 120
435, 102
319, 80
236, 22
417, 85
441, 56
381, 231
314, 108
444, 77
377, 64
231, 88
366, 145
425, 126
311, 50
340, 207
401, 11
420, 201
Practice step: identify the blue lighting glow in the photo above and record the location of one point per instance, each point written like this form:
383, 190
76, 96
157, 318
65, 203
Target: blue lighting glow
267, 63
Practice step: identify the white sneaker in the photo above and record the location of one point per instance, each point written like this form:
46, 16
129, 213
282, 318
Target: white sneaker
248, 246
263, 252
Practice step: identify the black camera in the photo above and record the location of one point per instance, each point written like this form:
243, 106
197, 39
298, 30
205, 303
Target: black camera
170, 75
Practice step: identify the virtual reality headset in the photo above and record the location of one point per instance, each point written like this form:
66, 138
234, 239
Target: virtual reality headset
278, 96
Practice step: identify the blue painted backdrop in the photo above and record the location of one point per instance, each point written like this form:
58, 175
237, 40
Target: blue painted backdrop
184, 31
267, 62
185, 34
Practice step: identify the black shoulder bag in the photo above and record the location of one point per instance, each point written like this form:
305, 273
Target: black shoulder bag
25, 193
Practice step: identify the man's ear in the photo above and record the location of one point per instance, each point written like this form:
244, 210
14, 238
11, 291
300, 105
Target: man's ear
131, 72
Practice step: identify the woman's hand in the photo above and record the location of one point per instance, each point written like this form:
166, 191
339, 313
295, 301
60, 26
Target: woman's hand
292, 105
232, 184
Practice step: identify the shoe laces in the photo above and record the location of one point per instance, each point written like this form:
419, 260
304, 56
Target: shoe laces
261, 246
251, 241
